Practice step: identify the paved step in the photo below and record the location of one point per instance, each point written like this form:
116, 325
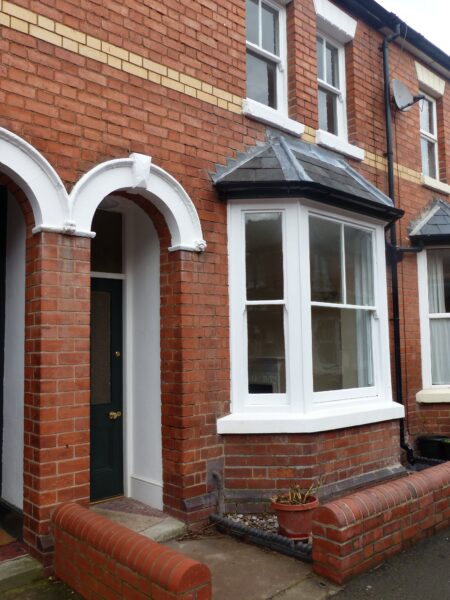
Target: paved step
19, 572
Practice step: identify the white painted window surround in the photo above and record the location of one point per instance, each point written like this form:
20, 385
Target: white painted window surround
336, 143
269, 116
430, 393
274, 116
300, 409
434, 87
336, 28
333, 21
435, 184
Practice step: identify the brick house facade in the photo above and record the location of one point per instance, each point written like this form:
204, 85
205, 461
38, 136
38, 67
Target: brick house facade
114, 110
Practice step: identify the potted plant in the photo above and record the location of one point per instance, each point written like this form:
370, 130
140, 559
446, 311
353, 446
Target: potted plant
294, 510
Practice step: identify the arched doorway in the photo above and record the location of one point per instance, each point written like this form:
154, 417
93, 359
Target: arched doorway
126, 452
112, 200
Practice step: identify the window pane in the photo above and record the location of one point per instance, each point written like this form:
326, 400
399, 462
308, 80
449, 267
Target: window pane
439, 280
322, 110
429, 166
100, 347
332, 65
252, 21
427, 116
320, 58
269, 25
327, 111
106, 247
428, 158
266, 354
264, 256
358, 266
261, 80
440, 351
331, 114
325, 260
342, 348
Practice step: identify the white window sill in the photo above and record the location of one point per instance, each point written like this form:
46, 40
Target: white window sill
439, 395
435, 184
269, 116
333, 142
324, 420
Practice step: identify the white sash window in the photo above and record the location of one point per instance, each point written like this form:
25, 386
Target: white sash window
309, 327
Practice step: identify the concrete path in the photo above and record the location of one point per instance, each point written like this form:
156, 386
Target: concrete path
241, 571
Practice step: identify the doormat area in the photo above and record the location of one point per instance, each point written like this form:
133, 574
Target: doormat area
12, 550
140, 517
10, 534
128, 505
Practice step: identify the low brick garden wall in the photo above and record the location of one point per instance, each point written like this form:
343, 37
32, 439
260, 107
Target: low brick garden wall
357, 532
103, 560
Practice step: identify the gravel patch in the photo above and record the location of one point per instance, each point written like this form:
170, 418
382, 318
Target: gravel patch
265, 521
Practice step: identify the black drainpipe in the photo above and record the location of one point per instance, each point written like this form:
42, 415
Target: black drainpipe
393, 251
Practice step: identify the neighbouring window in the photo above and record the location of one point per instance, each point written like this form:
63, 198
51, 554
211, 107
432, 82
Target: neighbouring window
266, 53
308, 308
428, 138
331, 83
438, 267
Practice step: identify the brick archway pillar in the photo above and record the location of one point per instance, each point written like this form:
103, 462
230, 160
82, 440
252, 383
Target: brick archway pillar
56, 439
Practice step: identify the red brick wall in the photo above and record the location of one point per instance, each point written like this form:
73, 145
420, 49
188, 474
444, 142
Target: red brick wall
56, 453
79, 112
259, 465
103, 560
360, 531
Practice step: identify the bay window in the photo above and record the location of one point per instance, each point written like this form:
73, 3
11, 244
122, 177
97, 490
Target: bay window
309, 334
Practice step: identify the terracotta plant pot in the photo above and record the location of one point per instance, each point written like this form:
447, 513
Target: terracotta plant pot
295, 520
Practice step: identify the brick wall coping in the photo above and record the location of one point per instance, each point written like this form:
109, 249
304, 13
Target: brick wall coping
359, 531
175, 573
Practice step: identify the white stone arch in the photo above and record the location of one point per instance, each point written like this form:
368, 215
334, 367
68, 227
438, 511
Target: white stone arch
39, 181
138, 174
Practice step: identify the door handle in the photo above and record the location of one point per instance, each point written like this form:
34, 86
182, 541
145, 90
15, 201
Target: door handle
114, 414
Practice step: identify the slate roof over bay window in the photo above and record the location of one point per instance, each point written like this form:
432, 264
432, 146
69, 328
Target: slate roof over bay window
434, 226
283, 167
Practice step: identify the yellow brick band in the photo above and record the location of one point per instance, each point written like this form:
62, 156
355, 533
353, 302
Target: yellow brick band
47, 30
43, 28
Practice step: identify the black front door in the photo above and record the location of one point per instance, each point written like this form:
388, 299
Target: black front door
106, 389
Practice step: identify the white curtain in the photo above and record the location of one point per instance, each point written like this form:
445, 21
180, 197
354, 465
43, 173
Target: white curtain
439, 328
363, 285
436, 290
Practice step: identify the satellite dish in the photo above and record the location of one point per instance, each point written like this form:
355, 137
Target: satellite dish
402, 96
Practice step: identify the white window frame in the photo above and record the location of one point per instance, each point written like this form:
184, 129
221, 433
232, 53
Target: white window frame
339, 28
275, 117
431, 392
429, 137
339, 92
280, 61
301, 409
